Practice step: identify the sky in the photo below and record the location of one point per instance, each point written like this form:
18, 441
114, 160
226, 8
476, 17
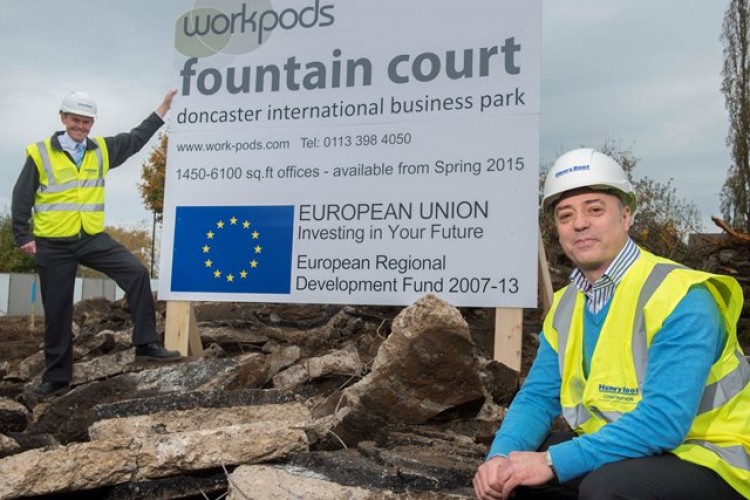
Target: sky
644, 75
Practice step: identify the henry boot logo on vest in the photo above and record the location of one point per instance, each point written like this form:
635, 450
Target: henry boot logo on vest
618, 392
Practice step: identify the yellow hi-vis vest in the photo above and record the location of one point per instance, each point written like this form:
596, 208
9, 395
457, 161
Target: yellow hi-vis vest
719, 437
69, 200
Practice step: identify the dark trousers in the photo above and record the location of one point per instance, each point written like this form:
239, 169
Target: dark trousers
57, 263
656, 477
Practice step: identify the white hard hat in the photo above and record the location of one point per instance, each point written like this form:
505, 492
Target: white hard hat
79, 103
590, 168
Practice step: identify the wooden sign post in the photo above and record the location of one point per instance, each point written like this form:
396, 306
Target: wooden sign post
508, 337
509, 322
181, 329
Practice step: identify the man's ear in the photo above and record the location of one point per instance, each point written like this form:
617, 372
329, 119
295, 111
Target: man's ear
627, 216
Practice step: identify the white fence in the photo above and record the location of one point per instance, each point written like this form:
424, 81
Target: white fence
20, 294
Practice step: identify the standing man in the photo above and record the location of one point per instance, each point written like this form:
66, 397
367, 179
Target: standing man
640, 356
58, 218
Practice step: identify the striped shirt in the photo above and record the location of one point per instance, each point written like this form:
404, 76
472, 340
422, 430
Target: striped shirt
599, 293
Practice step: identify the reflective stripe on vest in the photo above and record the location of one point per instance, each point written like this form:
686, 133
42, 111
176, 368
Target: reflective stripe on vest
639, 344
721, 391
72, 207
562, 320
736, 456
53, 187
714, 395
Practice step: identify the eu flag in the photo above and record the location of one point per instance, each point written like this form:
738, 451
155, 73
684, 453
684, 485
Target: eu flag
233, 249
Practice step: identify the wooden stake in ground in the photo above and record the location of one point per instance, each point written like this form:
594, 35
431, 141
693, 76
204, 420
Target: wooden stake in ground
181, 329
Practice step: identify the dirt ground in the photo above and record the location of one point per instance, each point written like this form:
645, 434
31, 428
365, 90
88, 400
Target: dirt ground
18, 338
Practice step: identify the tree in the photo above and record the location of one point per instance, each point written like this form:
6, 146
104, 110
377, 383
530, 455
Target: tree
12, 260
735, 193
152, 187
136, 239
662, 222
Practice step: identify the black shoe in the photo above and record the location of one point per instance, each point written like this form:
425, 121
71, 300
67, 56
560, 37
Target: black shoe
155, 352
47, 389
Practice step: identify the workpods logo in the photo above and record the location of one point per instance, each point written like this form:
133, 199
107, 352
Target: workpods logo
232, 27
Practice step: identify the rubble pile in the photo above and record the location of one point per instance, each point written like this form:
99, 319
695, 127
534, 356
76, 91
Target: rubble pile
287, 401
726, 253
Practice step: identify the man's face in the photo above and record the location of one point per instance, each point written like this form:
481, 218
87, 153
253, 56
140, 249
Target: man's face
77, 126
592, 228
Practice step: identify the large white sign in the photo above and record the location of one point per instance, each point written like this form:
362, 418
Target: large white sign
357, 152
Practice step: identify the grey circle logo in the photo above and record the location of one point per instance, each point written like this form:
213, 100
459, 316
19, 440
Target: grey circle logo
221, 26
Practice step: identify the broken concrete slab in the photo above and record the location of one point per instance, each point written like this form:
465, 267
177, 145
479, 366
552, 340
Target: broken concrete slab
155, 425
414, 458
425, 367
14, 417
258, 442
28, 368
8, 445
340, 362
235, 334
257, 369
79, 466
264, 482
102, 367
502, 381
84, 466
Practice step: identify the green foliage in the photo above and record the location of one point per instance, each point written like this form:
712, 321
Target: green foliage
12, 260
